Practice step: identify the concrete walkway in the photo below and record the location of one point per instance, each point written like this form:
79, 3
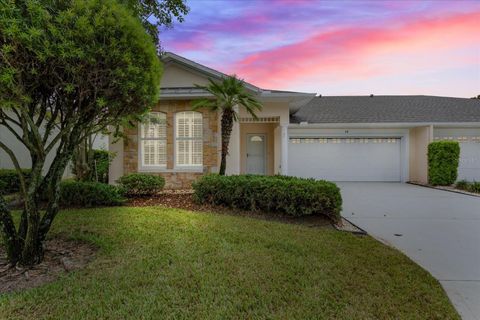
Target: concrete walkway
439, 230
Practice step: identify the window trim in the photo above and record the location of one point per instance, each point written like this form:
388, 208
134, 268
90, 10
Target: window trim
141, 154
187, 168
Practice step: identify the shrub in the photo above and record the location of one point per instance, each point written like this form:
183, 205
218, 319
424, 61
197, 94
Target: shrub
468, 186
98, 165
9, 180
89, 194
462, 185
289, 195
443, 157
141, 184
3, 187
475, 187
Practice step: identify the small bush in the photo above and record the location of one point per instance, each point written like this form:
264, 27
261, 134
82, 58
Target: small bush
289, 195
3, 187
141, 184
9, 180
468, 186
98, 166
89, 194
462, 185
443, 157
475, 187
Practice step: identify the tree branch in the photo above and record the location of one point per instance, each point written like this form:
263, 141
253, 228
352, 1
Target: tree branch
16, 164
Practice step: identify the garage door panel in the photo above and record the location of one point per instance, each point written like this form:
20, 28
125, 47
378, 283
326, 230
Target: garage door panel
469, 162
469, 139
352, 159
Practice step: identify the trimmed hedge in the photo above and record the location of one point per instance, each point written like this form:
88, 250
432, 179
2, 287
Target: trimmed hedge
89, 194
9, 180
443, 157
141, 184
288, 195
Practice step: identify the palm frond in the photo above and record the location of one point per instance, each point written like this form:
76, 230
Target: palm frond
227, 94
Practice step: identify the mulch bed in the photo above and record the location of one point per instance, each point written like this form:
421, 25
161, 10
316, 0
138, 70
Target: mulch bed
183, 199
61, 257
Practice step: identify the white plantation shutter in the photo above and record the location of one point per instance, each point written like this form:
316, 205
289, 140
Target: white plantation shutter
154, 140
189, 139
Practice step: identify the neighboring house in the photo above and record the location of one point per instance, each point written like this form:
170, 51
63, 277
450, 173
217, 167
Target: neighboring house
368, 138
23, 155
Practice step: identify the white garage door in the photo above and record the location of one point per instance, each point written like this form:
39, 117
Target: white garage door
345, 159
469, 139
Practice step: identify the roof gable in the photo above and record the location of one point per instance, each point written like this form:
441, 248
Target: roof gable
181, 68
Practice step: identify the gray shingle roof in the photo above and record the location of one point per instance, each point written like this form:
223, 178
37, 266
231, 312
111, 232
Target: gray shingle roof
379, 109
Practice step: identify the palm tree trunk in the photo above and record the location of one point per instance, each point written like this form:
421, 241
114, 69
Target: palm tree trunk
226, 126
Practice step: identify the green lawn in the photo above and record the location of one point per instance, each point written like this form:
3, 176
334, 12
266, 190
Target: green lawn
157, 263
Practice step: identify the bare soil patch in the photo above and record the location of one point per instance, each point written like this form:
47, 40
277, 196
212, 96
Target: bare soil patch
183, 199
61, 256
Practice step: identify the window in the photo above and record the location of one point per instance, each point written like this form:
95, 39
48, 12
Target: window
153, 137
188, 139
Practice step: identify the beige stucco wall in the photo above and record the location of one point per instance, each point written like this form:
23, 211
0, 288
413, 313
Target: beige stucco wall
419, 138
257, 128
271, 109
175, 76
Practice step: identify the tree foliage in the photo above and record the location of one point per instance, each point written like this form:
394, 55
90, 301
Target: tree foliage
68, 69
155, 14
227, 95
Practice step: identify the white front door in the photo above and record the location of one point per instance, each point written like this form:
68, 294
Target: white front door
256, 145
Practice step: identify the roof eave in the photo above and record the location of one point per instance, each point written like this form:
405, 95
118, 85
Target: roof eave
382, 124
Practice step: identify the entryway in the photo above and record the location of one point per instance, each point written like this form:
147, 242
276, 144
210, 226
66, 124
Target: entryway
256, 154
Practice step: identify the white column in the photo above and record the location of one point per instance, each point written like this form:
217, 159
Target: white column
284, 161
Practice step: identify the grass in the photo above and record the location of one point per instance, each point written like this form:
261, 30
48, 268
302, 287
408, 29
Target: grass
173, 264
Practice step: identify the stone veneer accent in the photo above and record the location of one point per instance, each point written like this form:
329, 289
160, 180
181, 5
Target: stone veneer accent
176, 179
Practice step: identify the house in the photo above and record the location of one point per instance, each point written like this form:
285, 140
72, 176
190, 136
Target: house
22, 154
349, 138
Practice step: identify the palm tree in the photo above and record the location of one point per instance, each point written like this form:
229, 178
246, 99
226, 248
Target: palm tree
227, 94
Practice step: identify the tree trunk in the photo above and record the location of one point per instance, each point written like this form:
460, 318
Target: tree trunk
10, 238
25, 247
226, 127
32, 249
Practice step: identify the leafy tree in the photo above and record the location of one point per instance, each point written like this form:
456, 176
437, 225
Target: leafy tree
227, 95
68, 69
155, 14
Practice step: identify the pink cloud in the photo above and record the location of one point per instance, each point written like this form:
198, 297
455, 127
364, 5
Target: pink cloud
365, 52
195, 42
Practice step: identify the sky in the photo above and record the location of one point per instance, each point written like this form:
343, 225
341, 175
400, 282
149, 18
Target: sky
337, 47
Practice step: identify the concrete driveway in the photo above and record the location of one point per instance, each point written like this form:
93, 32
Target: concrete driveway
437, 229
